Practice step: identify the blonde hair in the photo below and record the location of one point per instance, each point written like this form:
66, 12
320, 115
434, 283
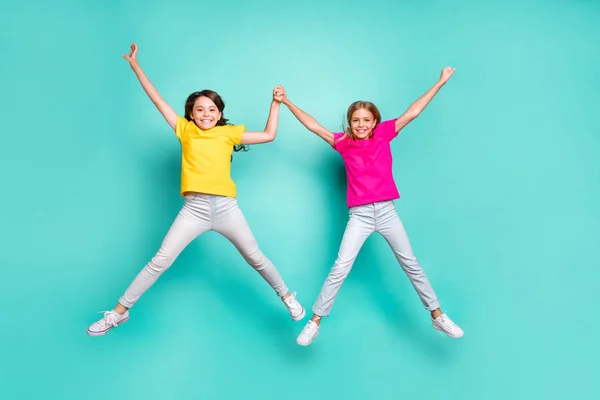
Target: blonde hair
357, 105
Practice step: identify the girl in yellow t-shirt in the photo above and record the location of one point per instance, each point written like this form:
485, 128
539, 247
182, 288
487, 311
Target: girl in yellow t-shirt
207, 142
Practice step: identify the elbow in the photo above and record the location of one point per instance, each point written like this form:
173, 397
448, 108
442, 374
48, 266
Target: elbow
413, 113
270, 136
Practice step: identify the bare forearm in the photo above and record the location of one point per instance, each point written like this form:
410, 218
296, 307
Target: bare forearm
163, 107
147, 85
419, 105
308, 121
272, 121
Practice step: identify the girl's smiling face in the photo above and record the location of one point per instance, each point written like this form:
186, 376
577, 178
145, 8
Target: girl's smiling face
205, 113
362, 123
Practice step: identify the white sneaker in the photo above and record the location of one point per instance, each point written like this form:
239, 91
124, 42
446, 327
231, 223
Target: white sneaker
445, 324
110, 320
308, 334
297, 312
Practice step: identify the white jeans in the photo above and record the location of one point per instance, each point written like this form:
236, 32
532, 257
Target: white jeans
199, 214
364, 220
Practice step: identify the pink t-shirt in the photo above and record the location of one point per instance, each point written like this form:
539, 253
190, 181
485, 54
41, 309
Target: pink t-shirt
369, 165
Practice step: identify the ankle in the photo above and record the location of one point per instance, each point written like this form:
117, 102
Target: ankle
436, 313
120, 309
316, 319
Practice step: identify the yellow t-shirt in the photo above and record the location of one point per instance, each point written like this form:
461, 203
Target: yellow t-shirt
206, 157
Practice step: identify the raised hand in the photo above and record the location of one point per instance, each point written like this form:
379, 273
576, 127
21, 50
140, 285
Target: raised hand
132, 57
446, 74
165, 109
279, 94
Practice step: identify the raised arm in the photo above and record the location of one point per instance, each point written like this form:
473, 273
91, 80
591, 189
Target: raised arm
270, 132
165, 109
418, 106
308, 121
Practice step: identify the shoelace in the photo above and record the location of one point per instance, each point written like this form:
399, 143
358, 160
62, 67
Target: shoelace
109, 318
291, 300
446, 322
310, 328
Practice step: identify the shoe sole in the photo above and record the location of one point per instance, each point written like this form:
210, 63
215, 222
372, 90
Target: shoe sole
95, 334
452, 336
299, 317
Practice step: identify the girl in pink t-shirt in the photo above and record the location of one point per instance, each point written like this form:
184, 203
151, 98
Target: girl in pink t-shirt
371, 191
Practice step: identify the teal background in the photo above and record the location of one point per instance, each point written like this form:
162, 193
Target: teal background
499, 180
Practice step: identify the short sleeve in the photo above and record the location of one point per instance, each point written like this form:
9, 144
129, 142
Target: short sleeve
386, 130
180, 126
340, 142
235, 132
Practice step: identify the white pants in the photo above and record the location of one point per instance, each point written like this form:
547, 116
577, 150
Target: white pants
364, 220
199, 214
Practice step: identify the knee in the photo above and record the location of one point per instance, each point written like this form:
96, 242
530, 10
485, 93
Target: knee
340, 270
160, 262
411, 265
256, 259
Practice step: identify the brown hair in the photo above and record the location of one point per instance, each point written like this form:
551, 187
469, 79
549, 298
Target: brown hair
357, 105
218, 100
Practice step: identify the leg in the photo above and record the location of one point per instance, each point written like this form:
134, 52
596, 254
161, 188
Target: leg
358, 229
391, 228
231, 223
188, 225
183, 231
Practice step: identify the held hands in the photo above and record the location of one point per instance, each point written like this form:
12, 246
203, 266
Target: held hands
279, 94
446, 74
132, 58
